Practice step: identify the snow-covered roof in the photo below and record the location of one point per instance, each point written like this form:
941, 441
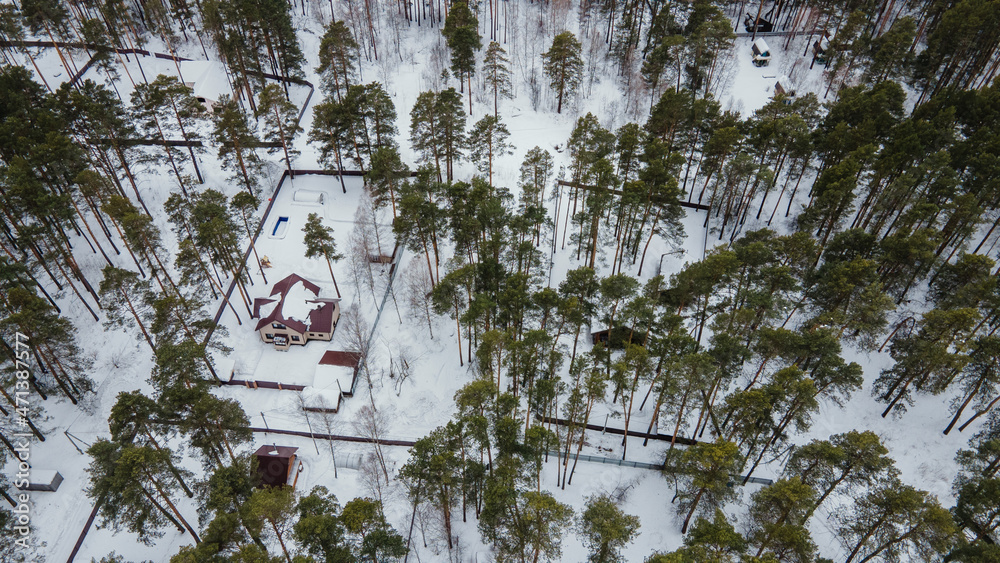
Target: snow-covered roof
207, 78
760, 46
785, 86
333, 378
295, 303
298, 303
224, 367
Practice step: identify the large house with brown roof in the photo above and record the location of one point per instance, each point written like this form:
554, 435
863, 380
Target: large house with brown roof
294, 313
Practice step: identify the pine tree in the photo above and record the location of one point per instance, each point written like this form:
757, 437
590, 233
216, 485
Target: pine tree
137, 488
145, 108
424, 130
281, 123
451, 127
245, 205
227, 492
432, 476
979, 380
711, 35
216, 428
273, 508
319, 241
705, 471
141, 235
716, 541
176, 109
851, 461
52, 17
563, 66
338, 59
536, 171
487, 139
450, 296
319, 529
99, 116
461, 30
333, 127
237, 144
496, 73
217, 232
437, 129
12, 29
891, 57
957, 48
896, 522
777, 521
254, 39
365, 519
133, 420
662, 62
385, 176
54, 345
124, 298
375, 127
606, 529
976, 505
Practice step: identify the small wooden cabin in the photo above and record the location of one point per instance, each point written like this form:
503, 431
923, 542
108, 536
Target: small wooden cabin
761, 53
274, 464
207, 80
784, 87
821, 48
763, 25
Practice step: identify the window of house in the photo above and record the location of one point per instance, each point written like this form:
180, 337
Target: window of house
277, 325
268, 336
295, 338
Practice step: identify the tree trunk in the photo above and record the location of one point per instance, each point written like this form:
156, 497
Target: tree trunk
334, 278
694, 505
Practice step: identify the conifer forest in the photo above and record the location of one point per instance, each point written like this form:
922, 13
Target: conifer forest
469, 281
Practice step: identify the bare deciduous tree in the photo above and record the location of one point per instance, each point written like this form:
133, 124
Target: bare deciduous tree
361, 249
371, 475
372, 424
418, 287
357, 334
400, 366
321, 420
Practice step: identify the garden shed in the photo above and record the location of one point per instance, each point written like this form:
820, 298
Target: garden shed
274, 464
761, 53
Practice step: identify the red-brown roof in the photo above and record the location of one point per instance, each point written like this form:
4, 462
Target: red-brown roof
340, 358
258, 303
284, 285
320, 319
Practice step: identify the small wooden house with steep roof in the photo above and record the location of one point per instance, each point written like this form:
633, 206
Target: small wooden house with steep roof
761, 53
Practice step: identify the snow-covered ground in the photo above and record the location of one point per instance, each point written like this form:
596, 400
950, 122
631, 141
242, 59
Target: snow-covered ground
424, 400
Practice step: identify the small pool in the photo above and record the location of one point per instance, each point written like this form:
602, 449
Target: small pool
280, 228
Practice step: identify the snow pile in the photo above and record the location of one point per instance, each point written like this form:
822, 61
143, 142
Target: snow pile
267, 308
297, 304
